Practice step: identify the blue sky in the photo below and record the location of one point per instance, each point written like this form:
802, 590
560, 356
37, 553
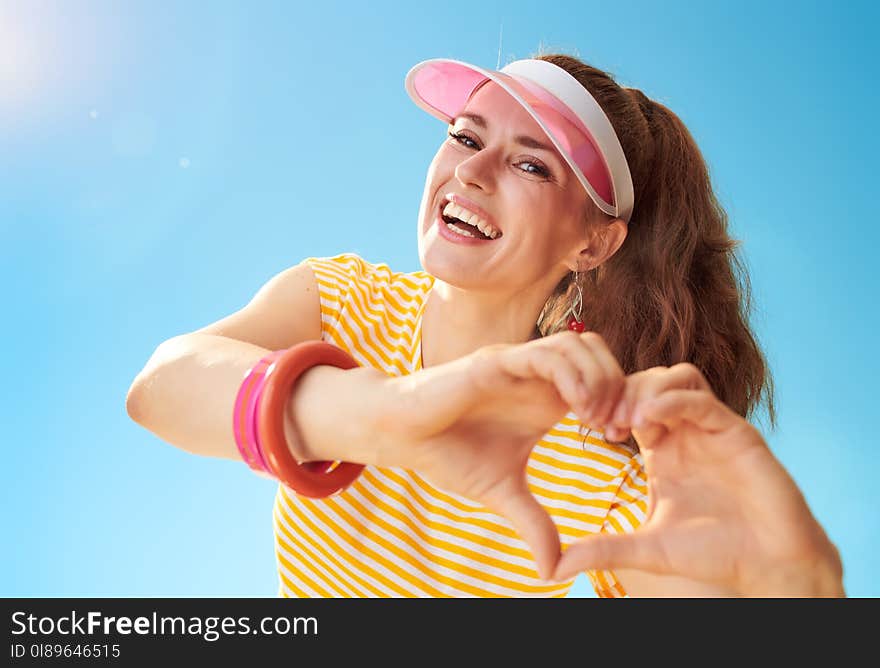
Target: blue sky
159, 162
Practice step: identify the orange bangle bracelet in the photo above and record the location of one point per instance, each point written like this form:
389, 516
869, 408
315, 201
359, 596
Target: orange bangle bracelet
306, 478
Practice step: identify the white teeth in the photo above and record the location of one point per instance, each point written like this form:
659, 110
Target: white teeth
454, 211
458, 230
467, 217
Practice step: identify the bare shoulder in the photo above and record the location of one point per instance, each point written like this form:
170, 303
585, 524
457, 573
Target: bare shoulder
285, 311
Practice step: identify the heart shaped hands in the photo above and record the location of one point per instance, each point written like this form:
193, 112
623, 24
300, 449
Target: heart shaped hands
722, 509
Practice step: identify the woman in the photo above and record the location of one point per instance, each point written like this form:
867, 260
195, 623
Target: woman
560, 203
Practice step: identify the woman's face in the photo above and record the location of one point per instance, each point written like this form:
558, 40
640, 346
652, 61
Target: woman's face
528, 192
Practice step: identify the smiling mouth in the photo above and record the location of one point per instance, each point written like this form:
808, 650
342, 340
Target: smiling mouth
461, 225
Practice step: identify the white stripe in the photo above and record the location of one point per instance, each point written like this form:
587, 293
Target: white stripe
352, 558
359, 350
368, 543
572, 438
367, 325
552, 504
434, 551
623, 521
571, 424
382, 321
369, 341
543, 490
328, 578
330, 303
638, 494
585, 451
375, 311
402, 354
635, 510
330, 297
311, 593
398, 297
579, 483
305, 566
435, 517
394, 279
430, 568
581, 476
367, 290
472, 546
426, 570
476, 511
419, 495
358, 557
590, 448
578, 525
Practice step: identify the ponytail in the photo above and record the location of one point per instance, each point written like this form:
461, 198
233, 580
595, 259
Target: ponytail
675, 291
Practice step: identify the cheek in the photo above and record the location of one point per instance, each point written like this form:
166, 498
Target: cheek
570, 232
532, 208
550, 230
440, 171
570, 223
435, 177
445, 161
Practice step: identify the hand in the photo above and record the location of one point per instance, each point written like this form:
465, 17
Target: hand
468, 426
722, 509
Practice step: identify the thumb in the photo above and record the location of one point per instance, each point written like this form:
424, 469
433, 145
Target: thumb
699, 407
640, 551
533, 524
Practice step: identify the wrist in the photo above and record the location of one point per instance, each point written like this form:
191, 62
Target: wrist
331, 415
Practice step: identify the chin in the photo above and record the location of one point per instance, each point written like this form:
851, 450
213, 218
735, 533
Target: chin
447, 262
448, 269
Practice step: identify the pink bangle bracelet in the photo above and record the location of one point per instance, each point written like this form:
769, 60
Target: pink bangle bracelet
244, 414
253, 405
245, 425
316, 479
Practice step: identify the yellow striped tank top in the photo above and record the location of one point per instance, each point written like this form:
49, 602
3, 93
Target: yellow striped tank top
393, 534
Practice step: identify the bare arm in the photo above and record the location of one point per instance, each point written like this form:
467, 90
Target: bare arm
186, 391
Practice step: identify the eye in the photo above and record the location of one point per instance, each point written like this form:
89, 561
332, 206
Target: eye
539, 169
462, 139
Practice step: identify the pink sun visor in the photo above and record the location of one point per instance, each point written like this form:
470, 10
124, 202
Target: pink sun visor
566, 112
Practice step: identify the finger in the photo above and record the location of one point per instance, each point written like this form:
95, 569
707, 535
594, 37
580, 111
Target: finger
616, 434
650, 384
596, 381
649, 434
683, 376
592, 375
640, 550
533, 524
530, 362
615, 381
622, 417
699, 407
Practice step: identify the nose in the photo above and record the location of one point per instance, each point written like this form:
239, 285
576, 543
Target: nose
478, 170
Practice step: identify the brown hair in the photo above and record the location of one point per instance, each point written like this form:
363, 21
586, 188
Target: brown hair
675, 291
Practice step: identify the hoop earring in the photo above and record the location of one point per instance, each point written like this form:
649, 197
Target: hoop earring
576, 321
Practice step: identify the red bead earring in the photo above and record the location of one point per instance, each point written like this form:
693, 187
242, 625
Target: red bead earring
576, 321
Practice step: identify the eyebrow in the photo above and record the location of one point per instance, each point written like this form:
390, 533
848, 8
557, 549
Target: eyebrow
521, 139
